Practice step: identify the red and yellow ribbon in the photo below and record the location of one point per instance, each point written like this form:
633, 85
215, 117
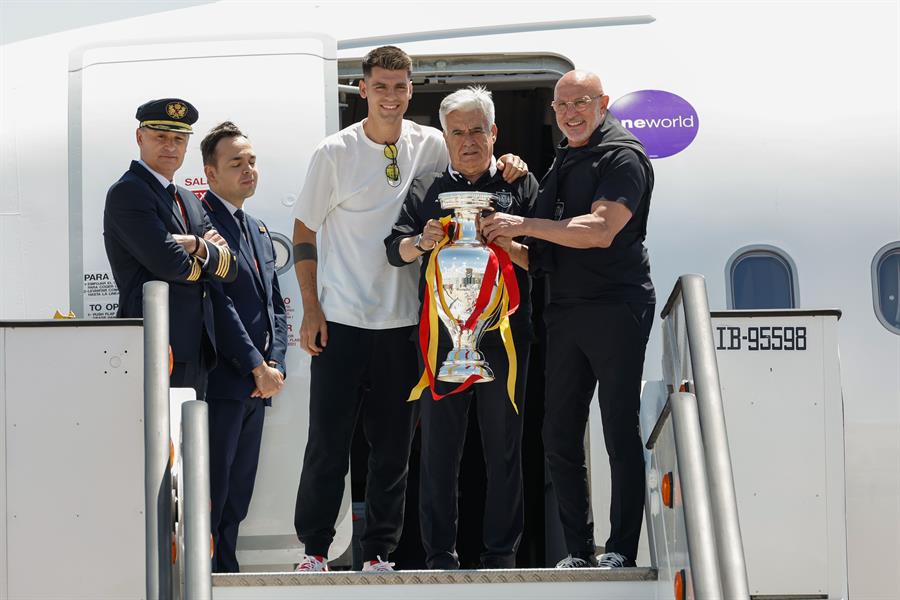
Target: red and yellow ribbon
506, 300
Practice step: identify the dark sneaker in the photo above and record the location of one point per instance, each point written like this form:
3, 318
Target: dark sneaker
497, 563
577, 562
614, 560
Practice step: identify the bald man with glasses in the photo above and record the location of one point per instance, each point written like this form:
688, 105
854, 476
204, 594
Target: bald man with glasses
587, 239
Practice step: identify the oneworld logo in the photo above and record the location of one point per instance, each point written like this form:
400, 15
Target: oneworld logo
679, 121
664, 122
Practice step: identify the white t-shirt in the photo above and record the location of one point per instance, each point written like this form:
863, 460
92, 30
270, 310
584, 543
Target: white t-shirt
346, 199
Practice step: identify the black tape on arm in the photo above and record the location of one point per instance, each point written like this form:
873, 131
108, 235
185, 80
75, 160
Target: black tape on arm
305, 251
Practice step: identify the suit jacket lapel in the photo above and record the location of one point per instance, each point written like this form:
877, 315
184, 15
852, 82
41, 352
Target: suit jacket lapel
227, 227
176, 212
255, 235
225, 218
193, 209
162, 196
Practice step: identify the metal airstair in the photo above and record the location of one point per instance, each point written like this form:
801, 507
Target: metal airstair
71, 486
709, 566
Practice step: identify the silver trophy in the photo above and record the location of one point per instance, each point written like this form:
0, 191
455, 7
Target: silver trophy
462, 264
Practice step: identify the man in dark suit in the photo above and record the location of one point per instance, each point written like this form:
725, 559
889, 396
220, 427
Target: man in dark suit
251, 338
155, 230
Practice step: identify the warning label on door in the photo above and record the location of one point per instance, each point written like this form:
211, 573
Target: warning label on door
101, 296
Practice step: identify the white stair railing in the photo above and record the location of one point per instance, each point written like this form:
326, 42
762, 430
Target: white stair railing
687, 327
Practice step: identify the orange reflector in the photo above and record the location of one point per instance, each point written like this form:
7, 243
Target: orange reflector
174, 548
667, 489
171, 454
679, 585
212, 547
171, 361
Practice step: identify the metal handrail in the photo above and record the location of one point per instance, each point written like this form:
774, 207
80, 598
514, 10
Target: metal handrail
674, 297
698, 518
157, 472
195, 500
691, 290
660, 422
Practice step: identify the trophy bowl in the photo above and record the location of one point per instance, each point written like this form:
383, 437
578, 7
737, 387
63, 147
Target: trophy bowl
462, 264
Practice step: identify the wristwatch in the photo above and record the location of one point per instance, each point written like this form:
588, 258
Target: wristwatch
418, 245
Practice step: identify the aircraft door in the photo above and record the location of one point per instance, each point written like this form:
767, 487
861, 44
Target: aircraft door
282, 92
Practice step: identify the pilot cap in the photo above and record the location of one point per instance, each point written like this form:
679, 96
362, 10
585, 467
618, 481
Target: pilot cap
168, 114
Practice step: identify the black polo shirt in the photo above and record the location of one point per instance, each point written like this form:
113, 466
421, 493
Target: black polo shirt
620, 273
421, 204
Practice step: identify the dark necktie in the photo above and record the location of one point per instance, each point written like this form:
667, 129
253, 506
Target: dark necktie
177, 199
241, 219
239, 215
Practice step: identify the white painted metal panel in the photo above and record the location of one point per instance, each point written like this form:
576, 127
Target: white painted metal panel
785, 428
74, 442
4, 542
667, 523
836, 483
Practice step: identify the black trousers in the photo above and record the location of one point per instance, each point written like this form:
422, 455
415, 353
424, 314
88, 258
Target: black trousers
587, 344
444, 424
235, 435
190, 375
367, 373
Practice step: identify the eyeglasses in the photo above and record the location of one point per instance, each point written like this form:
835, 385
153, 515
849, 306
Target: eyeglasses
579, 105
392, 171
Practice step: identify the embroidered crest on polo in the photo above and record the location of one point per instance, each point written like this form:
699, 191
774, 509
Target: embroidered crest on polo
504, 199
558, 209
176, 110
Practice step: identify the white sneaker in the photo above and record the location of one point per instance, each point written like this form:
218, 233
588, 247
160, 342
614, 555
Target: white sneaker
613, 560
378, 566
312, 563
576, 562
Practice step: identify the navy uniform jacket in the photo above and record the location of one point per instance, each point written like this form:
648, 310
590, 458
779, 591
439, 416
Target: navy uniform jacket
138, 223
251, 325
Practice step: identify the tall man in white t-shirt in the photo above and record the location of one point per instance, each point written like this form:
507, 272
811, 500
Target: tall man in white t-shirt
359, 312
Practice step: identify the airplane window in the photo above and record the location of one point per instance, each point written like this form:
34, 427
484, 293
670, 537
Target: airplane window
761, 278
886, 286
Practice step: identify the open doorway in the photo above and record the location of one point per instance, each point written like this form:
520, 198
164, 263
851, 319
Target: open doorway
522, 88
521, 84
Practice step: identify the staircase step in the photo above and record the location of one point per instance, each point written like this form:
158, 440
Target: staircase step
496, 584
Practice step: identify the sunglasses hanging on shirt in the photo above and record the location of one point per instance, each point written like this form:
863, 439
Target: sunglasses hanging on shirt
392, 171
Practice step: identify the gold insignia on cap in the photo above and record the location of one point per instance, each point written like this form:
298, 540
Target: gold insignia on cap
176, 110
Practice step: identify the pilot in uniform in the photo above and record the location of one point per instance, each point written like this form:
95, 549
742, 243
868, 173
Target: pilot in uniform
155, 230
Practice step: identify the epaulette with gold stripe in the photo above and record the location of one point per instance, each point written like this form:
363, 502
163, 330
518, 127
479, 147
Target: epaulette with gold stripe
224, 262
194, 275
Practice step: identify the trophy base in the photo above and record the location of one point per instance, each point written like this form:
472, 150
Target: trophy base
462, 364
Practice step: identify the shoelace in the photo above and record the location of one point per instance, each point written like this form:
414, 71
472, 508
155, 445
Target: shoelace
612, 559
311, 563
571, 562
380, 566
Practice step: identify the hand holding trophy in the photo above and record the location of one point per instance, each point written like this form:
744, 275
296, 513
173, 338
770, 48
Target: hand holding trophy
471, 288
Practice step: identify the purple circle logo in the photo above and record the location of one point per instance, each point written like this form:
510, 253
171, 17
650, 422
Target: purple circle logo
665, 123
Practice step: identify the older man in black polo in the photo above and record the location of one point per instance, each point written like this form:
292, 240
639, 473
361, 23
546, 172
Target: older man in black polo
467, 117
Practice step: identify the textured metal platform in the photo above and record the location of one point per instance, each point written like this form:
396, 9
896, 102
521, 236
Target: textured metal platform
494, 576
